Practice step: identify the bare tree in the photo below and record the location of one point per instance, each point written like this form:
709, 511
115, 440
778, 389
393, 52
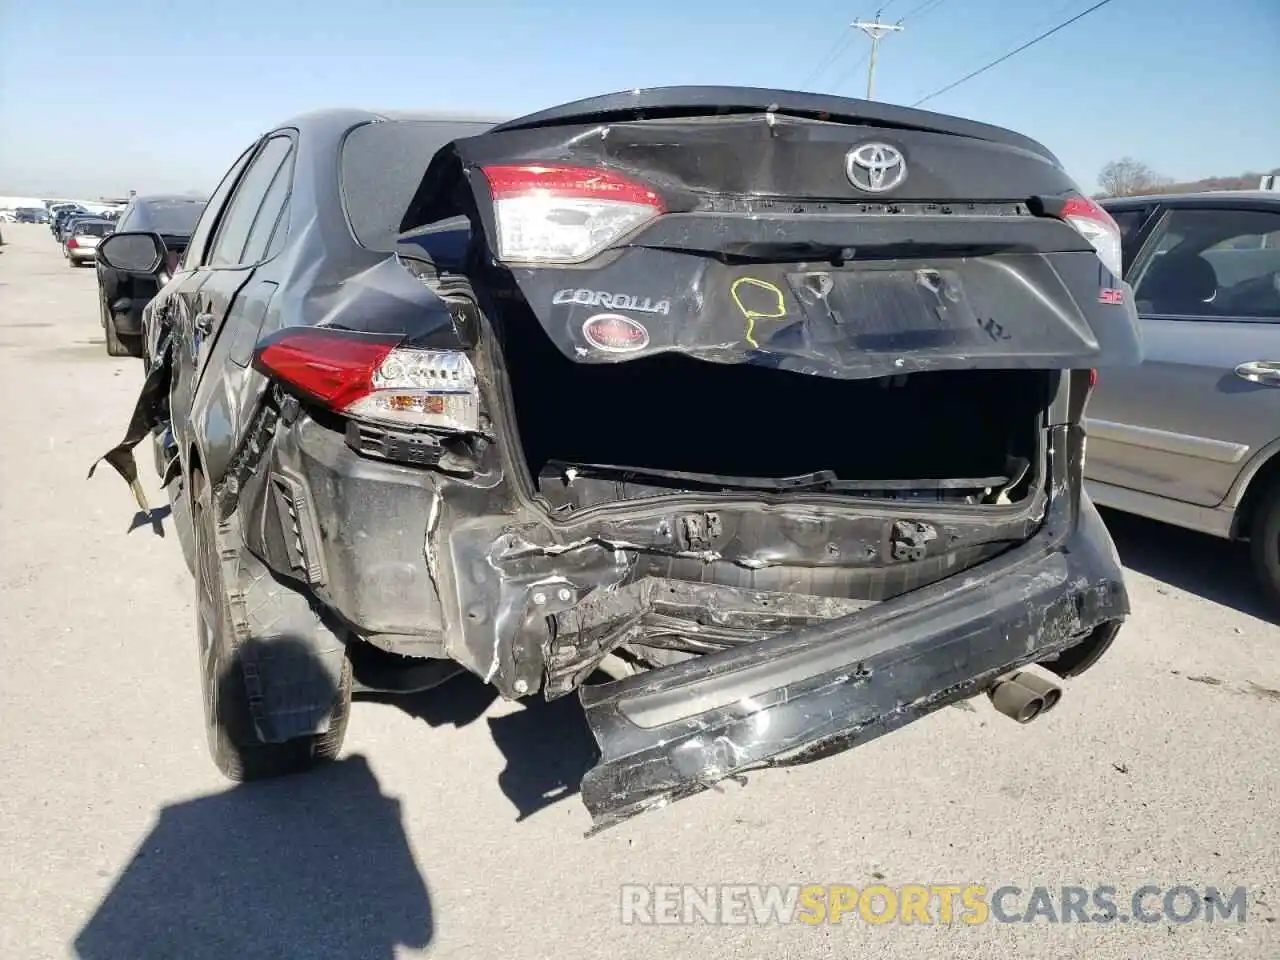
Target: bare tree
1128, 177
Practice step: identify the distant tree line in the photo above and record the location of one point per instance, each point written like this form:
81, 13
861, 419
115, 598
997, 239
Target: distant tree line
1128, 177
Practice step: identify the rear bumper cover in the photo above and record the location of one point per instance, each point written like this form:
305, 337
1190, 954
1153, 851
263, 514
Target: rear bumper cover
670, 733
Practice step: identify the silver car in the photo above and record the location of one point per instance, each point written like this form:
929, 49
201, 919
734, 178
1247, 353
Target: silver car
81, 246
1192, 436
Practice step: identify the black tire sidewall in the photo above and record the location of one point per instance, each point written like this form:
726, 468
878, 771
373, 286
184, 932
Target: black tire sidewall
1264, 543
228, 721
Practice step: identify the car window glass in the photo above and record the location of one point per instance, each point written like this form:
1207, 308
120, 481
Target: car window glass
382, 165
1213, 263
194, 255
233, 231
271, 211
1128, 220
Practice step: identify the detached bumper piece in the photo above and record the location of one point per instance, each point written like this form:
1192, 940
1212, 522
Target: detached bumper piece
671, 733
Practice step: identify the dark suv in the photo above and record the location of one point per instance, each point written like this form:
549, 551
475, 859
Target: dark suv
765, 407
121, 296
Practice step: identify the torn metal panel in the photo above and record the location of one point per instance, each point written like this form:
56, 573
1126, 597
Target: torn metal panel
671, 733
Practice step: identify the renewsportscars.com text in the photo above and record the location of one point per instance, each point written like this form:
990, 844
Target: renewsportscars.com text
815, 904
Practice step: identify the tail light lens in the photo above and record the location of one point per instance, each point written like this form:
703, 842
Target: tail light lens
369, 377
549, 213
1097, 226
71, 244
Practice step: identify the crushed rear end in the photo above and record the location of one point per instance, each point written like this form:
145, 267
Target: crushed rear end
788, 397
766, 405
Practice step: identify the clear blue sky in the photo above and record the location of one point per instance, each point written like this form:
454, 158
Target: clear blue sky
163, 95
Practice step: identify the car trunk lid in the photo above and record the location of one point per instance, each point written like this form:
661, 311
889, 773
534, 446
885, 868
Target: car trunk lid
760, 237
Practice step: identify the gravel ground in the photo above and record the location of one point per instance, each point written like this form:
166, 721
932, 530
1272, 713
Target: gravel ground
451, 828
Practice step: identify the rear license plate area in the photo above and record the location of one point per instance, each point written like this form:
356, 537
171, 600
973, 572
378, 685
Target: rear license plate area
892, 310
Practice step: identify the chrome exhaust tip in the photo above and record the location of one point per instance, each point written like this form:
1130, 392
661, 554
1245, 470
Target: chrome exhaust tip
1016, 701
1047, 690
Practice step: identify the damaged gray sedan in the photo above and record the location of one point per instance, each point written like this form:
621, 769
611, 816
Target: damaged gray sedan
752, 416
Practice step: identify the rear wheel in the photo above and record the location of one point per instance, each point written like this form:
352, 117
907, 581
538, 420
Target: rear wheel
1264, 542
233, 741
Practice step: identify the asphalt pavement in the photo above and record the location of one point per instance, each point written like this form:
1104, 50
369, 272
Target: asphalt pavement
451, 826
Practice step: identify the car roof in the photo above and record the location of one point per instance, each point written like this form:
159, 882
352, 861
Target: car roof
169, 198
335, 120
1200, 198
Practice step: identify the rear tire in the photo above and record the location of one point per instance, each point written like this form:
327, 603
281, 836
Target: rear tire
1264, 543
237, 750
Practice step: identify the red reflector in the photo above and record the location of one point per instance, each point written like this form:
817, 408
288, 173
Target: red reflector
332, 366
591, 183
614, 333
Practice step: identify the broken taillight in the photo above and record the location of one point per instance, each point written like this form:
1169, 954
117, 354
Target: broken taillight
370, 377
552, 213
1097, 226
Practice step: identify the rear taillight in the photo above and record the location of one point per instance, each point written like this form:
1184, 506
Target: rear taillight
370, 377
550, 213
71, 244
1097, 226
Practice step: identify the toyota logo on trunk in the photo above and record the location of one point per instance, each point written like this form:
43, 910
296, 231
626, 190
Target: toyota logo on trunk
875, 167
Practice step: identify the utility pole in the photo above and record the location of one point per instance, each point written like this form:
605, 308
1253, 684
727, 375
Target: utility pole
877, 31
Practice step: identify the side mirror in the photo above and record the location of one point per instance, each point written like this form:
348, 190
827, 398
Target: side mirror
138, 253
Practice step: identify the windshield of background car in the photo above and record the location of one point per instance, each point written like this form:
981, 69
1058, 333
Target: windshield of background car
174, 217
92, 229
382, 165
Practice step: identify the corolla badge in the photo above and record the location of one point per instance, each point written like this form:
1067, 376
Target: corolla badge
875, 167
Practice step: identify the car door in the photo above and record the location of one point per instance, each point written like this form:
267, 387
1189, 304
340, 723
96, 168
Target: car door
228, 308
1183, 424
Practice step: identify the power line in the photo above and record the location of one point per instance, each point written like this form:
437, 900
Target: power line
849, 73
840, 46
921, 9
1011, 53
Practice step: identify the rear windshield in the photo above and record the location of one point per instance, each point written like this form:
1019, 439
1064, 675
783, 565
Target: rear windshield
92, 229
167, 216
382, 165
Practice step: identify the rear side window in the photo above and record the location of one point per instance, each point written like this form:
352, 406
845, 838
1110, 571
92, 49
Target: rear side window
1215, 263
382, 165
195, 252
270, 225
233, 232
1129, 220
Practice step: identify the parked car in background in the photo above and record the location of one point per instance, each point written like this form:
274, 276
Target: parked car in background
1192, 436
65, 215
548, 398
82, 240
31, 215
122, 296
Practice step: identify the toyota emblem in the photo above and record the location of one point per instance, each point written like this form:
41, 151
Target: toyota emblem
875, 167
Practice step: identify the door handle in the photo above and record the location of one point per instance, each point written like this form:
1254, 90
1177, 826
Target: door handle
204, 324
1265, 372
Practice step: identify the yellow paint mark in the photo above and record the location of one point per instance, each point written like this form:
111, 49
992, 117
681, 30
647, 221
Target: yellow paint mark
775, 309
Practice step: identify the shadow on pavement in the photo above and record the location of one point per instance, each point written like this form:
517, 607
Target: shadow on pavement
547, 745
316, 866
154, 519
1196, 563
